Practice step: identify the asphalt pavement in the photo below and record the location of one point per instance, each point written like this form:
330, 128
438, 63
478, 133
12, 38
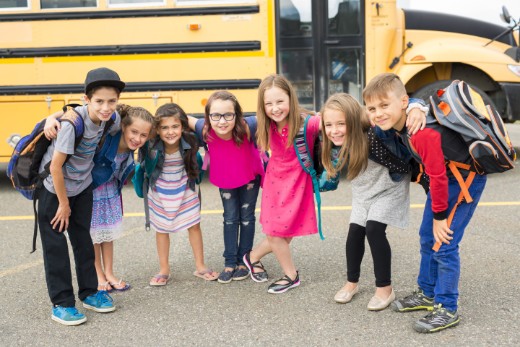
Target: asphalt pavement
192, 312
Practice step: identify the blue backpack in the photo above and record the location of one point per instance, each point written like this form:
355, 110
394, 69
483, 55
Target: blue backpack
27, 156
24, 165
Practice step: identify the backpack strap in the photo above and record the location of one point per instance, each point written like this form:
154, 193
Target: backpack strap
304, 155
35, 232
106, 128
253, 126
145, 200
464, 191
148, 171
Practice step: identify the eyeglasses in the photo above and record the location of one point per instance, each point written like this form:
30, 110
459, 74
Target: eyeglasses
217, 116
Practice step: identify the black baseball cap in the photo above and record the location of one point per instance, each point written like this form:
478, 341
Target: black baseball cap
103, 77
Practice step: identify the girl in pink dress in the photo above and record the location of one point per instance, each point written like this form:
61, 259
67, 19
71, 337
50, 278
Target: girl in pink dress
287, 208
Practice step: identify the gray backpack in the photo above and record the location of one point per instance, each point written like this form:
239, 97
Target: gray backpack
462, 109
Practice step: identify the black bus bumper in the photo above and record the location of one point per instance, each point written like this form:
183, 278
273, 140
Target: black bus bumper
512, 93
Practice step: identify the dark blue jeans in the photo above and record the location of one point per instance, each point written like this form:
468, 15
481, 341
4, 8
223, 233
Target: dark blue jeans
440, 271
239, 213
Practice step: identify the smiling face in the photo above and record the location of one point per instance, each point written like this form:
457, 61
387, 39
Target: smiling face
170, 132
222, 127
102, 104
335, 126
135, 134
389, 111
277, 105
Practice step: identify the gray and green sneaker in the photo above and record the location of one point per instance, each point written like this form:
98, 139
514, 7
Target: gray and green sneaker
437, 320
414, 302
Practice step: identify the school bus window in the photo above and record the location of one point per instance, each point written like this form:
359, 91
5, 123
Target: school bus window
135, 2
14, 4
213, 2
344, 17
297, 66
49, 4
344, 74
295, 18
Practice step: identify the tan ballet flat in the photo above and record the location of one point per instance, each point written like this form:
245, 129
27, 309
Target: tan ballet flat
378, 304
343, 296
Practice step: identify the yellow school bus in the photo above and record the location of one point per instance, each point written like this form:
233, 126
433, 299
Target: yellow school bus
182, 50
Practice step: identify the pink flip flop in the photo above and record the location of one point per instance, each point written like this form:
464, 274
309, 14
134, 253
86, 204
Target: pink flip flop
208, 275
155, 280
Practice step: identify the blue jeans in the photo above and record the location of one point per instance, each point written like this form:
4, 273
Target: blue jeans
239, 213
439, 272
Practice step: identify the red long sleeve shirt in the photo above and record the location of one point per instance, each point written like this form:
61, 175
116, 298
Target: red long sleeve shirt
428, 145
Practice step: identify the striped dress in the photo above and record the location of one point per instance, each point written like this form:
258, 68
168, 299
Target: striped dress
173, 205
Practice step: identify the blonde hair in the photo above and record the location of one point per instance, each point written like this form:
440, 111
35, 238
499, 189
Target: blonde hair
295, 121
354, 150
383, 84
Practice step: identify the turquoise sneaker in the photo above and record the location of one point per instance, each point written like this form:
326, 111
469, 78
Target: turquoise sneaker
99, 302
67, 315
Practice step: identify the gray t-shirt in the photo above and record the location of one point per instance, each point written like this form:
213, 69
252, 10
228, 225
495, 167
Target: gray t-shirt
77, 170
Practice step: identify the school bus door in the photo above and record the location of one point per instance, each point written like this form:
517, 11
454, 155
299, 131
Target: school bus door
320, 47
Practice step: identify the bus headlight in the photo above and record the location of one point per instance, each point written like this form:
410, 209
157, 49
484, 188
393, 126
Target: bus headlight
514, 69
13, 140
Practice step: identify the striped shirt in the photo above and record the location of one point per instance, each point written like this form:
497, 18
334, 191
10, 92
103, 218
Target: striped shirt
173, 205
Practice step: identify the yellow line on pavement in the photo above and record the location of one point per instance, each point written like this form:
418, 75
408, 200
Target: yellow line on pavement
20, 268
323, 208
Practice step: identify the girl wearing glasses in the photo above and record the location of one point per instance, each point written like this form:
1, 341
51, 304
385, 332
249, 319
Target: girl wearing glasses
236, 169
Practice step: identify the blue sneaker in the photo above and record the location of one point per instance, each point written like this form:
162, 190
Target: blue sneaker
240, 274
67, 315
99, 302
226, 276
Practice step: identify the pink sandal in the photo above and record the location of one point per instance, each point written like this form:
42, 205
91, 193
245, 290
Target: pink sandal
155, 280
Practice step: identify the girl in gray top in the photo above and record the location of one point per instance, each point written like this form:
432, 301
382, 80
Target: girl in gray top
380, 197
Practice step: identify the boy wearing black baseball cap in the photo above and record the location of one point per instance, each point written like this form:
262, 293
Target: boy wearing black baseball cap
65, 201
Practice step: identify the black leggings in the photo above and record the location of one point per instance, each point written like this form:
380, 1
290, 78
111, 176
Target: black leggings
381, 253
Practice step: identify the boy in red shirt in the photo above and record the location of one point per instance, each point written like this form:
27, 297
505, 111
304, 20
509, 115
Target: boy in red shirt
438, 280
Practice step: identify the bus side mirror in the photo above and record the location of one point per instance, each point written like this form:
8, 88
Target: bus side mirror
505, 16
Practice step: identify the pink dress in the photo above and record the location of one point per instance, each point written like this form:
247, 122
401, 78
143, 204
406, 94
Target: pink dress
287, 195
